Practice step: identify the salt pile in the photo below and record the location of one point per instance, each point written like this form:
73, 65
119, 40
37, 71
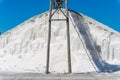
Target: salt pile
94, 46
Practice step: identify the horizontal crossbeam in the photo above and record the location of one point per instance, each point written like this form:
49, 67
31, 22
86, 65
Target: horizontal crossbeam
58, 19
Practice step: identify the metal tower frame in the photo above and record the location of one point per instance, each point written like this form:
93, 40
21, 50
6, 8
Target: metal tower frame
58, 6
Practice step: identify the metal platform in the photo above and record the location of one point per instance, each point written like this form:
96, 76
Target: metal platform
37, 76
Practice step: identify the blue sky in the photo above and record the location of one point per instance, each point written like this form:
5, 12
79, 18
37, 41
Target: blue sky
14, 12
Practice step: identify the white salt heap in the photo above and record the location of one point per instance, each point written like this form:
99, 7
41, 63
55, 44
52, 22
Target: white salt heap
94, 46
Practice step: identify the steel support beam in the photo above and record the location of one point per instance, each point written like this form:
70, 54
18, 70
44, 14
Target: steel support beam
68, 39
68, 35
49, 38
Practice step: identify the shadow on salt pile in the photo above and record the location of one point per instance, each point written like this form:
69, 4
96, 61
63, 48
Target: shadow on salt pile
93, 48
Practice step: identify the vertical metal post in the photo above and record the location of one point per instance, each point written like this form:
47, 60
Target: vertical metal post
49, 38
67, 31
68, 39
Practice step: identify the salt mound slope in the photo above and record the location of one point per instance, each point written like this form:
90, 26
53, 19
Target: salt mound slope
94, 46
